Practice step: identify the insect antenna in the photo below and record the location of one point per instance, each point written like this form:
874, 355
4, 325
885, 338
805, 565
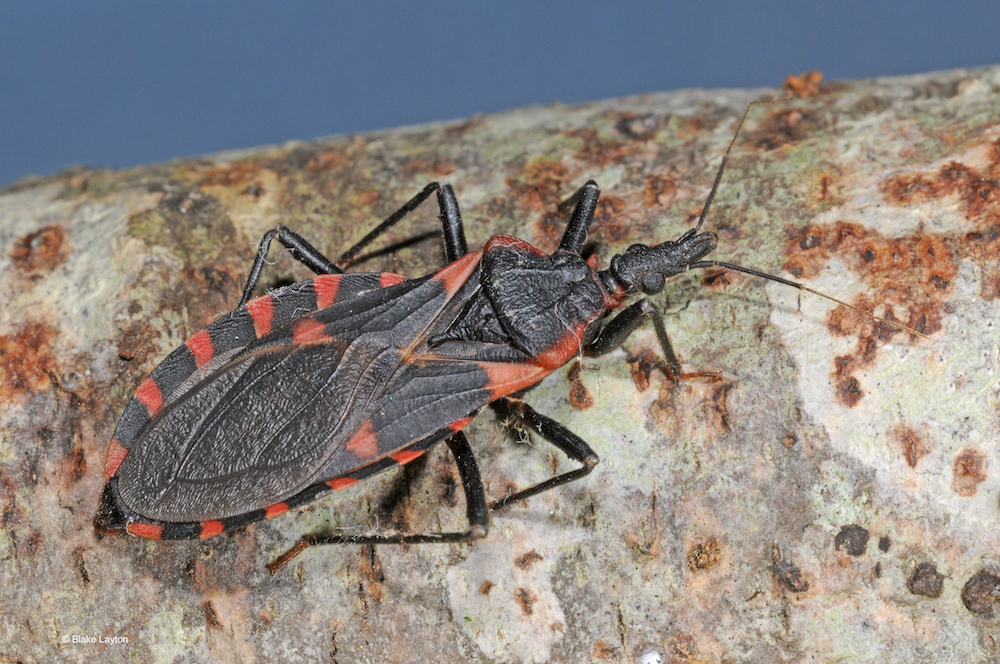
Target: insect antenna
758, 273
803, 287
725, 160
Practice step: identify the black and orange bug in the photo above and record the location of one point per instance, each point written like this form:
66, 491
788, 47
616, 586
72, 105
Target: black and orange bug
322, 383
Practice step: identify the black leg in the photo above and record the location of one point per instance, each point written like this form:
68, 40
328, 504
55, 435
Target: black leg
572, 446
451, 222
305, 253
301, 250
625, 323
475, 508
586, 198
450, 217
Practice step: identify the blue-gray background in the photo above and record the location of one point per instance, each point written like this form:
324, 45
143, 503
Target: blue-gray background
106, 83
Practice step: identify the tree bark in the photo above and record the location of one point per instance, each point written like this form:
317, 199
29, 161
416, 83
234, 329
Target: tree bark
831, 491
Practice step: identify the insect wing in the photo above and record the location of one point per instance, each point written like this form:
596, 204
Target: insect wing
319, 394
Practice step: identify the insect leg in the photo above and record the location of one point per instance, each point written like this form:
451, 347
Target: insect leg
572, 445
301, 250
586, 198
476, 511
451, 223
618, 329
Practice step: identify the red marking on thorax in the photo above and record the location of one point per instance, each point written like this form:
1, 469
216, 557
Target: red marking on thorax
210, 529
406, 456
200, 345
511, 242
387, 279
505, 378
310, 331
364, 443
274, 510
326, 287
116, 454
147, 530
148, 394
453, 276
339, 483
564, 349
261, 310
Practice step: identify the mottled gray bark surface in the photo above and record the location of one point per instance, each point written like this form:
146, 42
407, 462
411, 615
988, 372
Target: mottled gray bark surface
833, 496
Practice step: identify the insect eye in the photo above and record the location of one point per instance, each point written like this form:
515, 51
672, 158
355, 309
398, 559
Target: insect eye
653, 282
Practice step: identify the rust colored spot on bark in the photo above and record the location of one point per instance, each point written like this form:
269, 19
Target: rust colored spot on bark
26, 360
979, 192
528, 559
42, 250
705, 555
641, 367
926, 580
610, 223
81, 565
134, 342
231, 174
372, 574
538, 186
912, 445
77, 464
326, 161
981, 593
526, 600
660, 190
579, 395
600, 150
720, 411
696, 403
968, 472
906, 279
211, 618
806, 84
486, 587
603, 650
717, 280
538, 189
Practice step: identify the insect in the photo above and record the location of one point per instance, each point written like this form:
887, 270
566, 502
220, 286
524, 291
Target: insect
317, 385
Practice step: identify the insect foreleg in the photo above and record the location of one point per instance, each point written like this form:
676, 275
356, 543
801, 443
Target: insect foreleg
617, 330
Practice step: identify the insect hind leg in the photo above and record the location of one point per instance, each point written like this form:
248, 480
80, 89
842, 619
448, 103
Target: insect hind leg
451, 223
571, 445
300, 249
450, 217
476, 511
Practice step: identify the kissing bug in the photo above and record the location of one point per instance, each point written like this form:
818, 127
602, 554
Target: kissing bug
319, 384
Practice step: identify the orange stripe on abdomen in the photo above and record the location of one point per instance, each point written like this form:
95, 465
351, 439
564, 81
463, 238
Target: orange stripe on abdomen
116, 454
201, 347
149, 395
261, 310
326, 287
